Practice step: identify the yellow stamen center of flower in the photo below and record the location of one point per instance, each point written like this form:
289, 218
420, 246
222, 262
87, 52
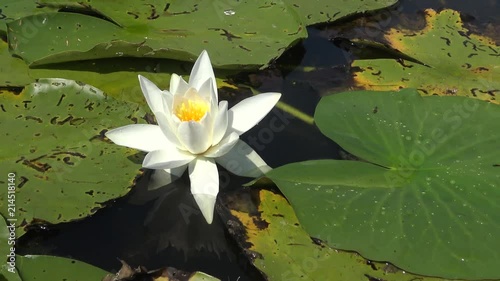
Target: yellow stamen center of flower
191, 110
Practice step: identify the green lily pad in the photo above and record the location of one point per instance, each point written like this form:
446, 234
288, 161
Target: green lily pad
455, 62
325, 11
201, 276
425, 200
13, 9
178, 30
12, 65
34, 267
117, 77
278, 246
54, 143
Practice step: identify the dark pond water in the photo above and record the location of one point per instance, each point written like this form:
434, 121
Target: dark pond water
143, 230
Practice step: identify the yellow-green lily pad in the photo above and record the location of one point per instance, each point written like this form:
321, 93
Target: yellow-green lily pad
275, 242
454, 61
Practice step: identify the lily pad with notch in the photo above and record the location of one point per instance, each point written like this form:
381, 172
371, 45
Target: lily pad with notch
425, 191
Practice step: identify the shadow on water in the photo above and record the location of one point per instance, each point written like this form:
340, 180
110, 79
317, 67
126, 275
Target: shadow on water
164, 227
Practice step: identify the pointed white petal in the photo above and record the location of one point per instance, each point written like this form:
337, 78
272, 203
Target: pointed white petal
178, 86
152, 94
204, 185
223, 146
143, 137
202, 71
166, 159
204, 176
195, 136
162, 177
244, 115
206, 90
220, 123
174, 83
168, 129
168, 101
206, 203
242, 160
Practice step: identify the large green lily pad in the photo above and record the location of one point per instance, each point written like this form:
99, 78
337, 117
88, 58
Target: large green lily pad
456, 61
180, 30
230, 30
282, 250
425, 200
54, 143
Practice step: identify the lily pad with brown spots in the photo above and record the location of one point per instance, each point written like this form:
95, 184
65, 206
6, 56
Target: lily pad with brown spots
276, 244
325, 11
455, 62
233, 36
53, 140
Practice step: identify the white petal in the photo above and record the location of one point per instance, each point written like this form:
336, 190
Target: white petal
202, 71
244, 115
220, 123
222, 147
204, 185
162, 177
169, 130
206, 203
143, 137
174, 83
178, 86
152, 94
195, 136
242, 160
206, 90
166, 159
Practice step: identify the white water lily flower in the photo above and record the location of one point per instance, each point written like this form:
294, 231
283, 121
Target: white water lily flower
195, 130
